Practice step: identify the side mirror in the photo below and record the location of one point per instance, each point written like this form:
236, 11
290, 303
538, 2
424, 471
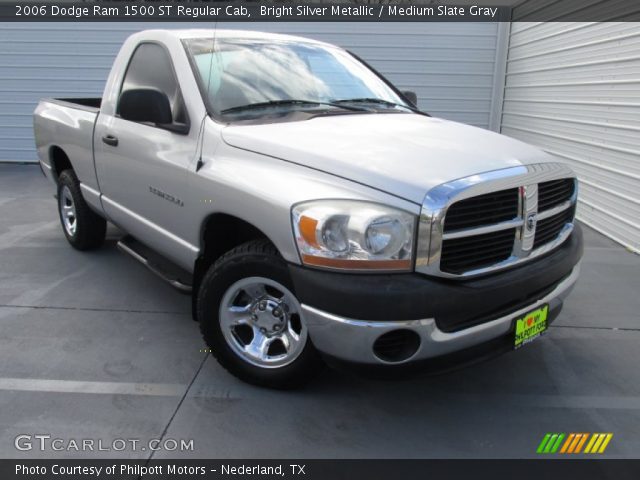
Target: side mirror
411, 96
145, 105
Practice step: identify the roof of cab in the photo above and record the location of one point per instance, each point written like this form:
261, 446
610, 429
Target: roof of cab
221, 33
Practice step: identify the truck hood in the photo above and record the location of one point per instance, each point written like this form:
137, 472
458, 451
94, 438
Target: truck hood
401, 154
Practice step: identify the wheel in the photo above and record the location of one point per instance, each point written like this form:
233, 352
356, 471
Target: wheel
83, 228
252, 321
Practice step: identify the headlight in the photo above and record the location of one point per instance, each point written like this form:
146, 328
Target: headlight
354, 235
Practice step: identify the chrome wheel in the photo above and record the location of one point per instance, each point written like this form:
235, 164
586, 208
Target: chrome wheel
67, 211
260, 320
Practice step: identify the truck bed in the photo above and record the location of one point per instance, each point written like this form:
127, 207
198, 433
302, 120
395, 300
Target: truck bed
90, 104
66, 124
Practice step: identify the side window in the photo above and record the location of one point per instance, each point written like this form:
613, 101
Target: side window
150, 67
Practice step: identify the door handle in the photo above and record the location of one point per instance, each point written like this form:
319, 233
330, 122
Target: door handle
110, 140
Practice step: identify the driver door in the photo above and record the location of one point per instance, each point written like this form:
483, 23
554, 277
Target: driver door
142, 168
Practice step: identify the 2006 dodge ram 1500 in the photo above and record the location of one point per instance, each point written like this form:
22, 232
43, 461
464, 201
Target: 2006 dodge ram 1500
310, 207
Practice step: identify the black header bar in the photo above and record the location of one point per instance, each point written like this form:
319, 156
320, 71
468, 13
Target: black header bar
319, 11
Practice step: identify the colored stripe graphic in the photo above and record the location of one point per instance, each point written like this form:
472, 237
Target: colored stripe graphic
583, 439
598, 443
550, 443
594, 437
543, 443
555, 447
567, 443
574, 443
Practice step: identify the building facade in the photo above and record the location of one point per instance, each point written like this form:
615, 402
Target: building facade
571, 88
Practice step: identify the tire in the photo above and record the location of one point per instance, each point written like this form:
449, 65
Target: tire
83, 228
250, 319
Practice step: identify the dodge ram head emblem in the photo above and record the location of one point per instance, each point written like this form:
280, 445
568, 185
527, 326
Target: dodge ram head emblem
532, 220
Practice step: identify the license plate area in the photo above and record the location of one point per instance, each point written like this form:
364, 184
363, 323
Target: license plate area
530, 326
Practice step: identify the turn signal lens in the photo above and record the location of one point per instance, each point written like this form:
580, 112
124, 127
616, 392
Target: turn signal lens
308, 228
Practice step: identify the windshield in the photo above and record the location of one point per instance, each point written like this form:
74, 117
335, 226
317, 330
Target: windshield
242, 72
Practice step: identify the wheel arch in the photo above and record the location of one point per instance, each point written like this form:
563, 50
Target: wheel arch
59, 161
213, 245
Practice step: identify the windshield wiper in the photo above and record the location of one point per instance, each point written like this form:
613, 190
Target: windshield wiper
276, 103
377, 101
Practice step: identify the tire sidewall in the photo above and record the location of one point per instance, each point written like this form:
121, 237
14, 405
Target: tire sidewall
90, 227
216, 282
68, 180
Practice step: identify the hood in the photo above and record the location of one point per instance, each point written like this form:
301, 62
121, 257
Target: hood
402, 154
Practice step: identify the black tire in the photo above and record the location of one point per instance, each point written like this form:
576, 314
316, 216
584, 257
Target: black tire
90, 229
253, 259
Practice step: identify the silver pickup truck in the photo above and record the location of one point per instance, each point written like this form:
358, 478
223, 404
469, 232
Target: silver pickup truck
311, 209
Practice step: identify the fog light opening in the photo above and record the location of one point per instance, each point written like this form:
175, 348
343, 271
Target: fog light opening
396, 346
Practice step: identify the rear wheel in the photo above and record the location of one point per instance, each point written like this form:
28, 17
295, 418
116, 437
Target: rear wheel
252, 321
83, 228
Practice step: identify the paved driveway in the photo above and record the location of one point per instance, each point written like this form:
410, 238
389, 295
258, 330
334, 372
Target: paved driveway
93, 346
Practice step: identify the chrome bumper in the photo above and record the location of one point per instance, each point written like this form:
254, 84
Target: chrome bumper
352, 340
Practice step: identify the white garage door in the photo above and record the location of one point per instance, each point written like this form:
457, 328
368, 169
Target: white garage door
451, 66
574, 89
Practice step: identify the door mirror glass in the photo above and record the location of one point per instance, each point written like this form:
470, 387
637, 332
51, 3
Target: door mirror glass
145, 105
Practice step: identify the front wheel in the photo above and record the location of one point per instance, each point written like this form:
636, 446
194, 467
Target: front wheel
252, 321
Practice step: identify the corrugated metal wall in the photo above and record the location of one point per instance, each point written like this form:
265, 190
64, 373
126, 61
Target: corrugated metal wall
574, 90
452, 66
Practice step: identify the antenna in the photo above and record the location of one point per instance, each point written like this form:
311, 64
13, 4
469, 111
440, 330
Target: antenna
213, 49
200, 163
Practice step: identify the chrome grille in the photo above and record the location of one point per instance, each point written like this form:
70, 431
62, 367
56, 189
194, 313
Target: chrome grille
550, 228
489, 208
492, 221
554, 193
469, 253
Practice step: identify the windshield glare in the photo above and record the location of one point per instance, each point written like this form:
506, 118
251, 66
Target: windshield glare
244, 72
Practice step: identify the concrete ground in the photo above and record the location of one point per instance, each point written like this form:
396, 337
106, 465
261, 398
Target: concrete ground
93, 346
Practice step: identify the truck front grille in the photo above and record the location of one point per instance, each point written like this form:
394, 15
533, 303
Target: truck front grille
525, 217
482, 210
469, 253
550, 228
554, 193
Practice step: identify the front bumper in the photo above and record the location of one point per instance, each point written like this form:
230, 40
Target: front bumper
347, 314
352, 340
